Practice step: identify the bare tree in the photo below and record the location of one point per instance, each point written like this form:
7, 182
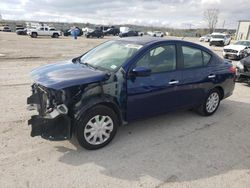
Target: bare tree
211, 17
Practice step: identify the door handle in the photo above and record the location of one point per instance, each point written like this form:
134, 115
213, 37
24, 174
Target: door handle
211, 76
172, 82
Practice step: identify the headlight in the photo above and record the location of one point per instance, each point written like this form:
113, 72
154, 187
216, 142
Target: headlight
240, 65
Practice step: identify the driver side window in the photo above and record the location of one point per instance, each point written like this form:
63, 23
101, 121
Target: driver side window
159, 59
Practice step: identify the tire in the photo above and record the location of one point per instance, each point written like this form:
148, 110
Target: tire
33, 35
87, 123
55, 35
204, 109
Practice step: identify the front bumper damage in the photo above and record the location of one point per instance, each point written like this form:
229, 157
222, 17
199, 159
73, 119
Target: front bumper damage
55, 125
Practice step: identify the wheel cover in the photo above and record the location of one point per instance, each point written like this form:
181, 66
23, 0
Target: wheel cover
98, 129
212, 102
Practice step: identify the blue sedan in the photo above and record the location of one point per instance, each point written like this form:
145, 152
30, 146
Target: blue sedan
123, 80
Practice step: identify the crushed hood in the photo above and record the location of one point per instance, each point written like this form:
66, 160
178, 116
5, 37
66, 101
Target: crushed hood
66, 74
235, 47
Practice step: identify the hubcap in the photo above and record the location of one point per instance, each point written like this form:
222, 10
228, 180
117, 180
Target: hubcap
98, 129
212, 102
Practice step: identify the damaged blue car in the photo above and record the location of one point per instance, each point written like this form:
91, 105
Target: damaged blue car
123, 80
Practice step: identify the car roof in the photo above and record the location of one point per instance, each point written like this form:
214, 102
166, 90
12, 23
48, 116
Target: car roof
150, 40
144, 41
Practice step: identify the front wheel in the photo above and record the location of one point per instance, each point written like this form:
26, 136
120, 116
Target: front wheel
211, 103
97, 127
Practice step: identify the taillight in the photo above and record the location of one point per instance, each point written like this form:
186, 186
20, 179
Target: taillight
232, 70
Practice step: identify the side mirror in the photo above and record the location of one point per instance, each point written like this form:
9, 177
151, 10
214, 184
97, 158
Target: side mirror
141, 71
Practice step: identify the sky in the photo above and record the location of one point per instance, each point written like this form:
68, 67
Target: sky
163, 13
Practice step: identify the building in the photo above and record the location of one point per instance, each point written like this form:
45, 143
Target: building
243, 31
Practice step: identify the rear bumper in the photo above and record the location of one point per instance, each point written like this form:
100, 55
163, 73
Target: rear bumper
51, 126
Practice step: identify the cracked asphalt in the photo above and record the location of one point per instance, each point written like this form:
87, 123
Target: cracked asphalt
180, 149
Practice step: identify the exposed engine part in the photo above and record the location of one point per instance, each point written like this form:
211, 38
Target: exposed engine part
60, 109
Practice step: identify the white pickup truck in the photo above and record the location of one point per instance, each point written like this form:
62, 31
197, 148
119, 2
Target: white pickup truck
44, 31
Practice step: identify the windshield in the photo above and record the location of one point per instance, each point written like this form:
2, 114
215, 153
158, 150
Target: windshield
218, 36
110, 55
244, 43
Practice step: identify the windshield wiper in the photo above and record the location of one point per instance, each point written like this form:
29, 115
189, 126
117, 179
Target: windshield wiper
89, 65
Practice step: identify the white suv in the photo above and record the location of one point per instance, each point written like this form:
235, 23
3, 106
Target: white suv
219, 39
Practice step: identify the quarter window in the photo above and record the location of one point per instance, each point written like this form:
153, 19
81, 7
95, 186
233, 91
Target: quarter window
159, 59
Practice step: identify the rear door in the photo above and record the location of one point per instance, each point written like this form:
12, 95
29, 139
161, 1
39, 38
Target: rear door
194, 75
41, 31
158, 92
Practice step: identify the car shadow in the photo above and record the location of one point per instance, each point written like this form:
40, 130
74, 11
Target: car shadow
175, 147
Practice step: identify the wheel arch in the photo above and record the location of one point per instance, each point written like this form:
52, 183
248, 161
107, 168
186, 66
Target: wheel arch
104, 100
221, 90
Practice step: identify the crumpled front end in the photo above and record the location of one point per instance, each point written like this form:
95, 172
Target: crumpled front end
52, 121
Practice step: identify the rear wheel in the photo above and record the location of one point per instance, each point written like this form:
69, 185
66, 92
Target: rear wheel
55, 35
34, 35
211, 104
97, 127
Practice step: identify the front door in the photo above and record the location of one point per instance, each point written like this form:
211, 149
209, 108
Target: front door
157, 92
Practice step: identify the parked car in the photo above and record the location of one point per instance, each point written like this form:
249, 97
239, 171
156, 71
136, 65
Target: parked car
21, 31
123, 80
219, 39
112, 31
94, 33
130, 33
238, 50
68, 32
243, 70
44, 31
205, 38
5, 29
156, 34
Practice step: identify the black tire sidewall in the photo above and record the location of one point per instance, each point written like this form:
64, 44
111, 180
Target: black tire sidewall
33, 35
55, 35
204, 109
82, 122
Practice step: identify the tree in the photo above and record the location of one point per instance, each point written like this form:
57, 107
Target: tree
211, 17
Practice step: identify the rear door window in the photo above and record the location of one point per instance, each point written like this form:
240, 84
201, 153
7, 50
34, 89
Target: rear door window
194, 57
206, 57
